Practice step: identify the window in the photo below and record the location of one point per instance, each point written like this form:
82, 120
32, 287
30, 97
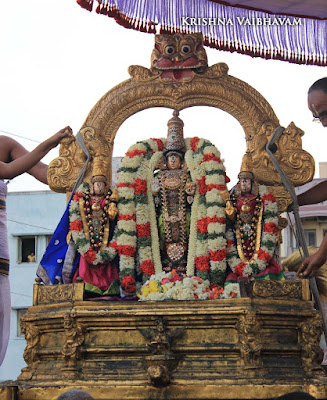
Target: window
48, 238
20, 313
27, 249
310, 237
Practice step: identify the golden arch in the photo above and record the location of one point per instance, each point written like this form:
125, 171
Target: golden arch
214, 88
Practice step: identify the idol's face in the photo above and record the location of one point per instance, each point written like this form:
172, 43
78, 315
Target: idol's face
317, 103
246, 185
99, 188
174, 161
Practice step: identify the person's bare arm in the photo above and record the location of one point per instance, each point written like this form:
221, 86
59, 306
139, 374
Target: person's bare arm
315, 195
21, 161
311, 264
39, 171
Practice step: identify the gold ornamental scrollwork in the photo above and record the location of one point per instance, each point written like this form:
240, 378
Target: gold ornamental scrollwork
72, 158
54, 294
250, 345
278, 289
75, 337
312, 355
30, 355
162, 360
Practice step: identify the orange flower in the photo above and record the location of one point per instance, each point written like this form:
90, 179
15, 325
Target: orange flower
202, 185
270, 227
268, 197
221, 220
126, 217
239, 269
210, 157
128, 185
147, 267
202, 225
140, 186
135, 152
213, 186
143, 229
159, 143
128, 284
202, 263
77, 196
218, 255
194, 143
125, 250
90, 256
76, 225
263, 255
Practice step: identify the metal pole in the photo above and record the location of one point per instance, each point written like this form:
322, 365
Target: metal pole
271, 148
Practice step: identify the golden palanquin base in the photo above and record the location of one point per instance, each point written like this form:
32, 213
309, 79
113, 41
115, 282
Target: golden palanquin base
254, 347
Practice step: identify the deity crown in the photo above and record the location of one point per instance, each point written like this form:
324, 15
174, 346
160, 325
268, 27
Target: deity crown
175, 139
100, 169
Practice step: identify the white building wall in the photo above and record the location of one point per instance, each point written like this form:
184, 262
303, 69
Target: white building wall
29, 214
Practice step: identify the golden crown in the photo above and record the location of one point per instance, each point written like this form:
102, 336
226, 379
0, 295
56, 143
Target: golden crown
175, 139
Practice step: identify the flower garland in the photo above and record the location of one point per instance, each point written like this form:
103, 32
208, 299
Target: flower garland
133, 234
137, 239
82, 244
210, 257
171, 286
262, 257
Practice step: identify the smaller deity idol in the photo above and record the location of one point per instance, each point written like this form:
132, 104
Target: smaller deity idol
173, 192
97, 210
252, 232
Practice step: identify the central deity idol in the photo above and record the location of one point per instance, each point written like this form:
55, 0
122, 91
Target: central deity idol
173, 192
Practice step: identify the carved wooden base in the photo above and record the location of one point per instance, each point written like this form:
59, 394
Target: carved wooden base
254, 347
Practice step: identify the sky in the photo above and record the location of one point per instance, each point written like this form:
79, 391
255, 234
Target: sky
58, 60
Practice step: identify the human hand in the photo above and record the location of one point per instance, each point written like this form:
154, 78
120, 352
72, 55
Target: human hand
311, 265
57, 137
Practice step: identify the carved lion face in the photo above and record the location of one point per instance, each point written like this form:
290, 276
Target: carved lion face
179, 56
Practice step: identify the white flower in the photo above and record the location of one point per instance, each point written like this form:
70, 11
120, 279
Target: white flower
126, 193
128, 225
127, 240
84, 249
125, 177
218, 265
214, 195
128, 209
126, 262
74, 206
215, 227
74, 217
145, 253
